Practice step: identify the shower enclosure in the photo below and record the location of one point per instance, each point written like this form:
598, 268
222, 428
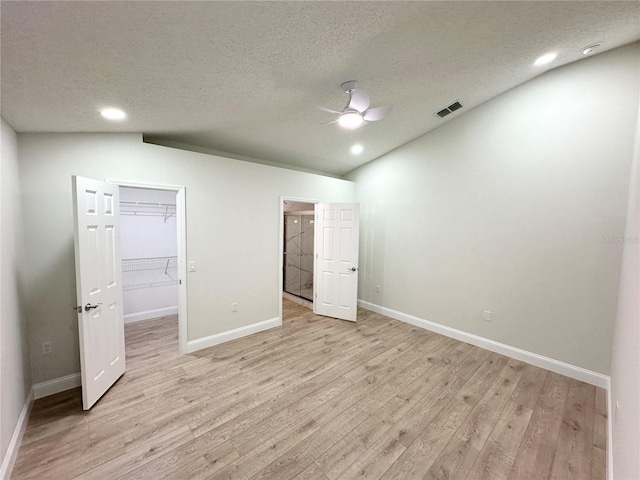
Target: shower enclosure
298, 254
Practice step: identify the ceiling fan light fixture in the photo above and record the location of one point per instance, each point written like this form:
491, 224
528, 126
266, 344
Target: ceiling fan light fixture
356, 112
351, 120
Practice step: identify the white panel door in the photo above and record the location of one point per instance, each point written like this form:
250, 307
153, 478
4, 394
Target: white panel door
98, 285
335, 280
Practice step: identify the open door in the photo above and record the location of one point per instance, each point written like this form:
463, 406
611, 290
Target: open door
98, 285
336, 263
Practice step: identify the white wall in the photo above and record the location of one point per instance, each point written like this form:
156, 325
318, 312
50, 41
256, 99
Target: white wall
15, 376
507, 209
232, 231
625, 362
141, 236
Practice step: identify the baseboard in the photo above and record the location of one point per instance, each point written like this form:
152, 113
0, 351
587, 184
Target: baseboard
609, 433
148, 314
68, 382
218, 338
56, 385
9, 459
572, 371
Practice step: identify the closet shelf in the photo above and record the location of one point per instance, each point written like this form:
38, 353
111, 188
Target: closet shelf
147, 272
142, 209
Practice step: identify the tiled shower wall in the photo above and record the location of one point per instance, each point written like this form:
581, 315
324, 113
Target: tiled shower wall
298, 255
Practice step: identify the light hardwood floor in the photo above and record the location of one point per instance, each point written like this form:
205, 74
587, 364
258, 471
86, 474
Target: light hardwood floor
320, 399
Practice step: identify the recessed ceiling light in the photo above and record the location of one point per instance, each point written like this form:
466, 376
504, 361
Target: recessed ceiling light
546, 58
113, 114
589, 49
350, 120
357, 149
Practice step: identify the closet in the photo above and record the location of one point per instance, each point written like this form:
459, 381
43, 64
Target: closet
148, 240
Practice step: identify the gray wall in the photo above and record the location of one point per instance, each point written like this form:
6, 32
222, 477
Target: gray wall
515, 207
625, 362
509, 208
232, 231
15, 376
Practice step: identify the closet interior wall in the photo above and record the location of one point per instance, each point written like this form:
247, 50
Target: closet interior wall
148, 240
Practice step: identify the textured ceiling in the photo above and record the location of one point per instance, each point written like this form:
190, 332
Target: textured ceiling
243, 77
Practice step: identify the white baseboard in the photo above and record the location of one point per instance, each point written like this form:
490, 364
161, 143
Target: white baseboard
218, 338
572, 371
14, 445
68, 382
609, 433
56, 385
147, 314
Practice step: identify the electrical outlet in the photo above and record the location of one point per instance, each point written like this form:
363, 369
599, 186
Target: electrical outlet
377, 288
234, 307
486, 316
47, 348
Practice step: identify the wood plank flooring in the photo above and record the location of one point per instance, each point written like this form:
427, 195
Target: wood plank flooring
320, 399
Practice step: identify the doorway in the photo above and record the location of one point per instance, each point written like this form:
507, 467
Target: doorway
335, 256
148, 244
298, 255
301, 286
153, 247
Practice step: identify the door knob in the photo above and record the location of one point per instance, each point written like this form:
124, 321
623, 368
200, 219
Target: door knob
88, 306
353, 269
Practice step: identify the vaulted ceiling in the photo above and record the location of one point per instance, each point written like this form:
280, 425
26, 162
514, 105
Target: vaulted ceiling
245, 77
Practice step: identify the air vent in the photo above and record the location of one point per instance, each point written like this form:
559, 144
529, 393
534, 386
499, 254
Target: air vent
450, 109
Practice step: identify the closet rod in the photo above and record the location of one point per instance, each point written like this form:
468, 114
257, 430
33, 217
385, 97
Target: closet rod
145, 209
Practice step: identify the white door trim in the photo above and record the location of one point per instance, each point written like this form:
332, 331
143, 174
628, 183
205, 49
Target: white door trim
281, 242
181, 222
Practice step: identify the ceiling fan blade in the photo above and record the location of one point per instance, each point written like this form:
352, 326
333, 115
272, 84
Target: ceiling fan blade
359, 100
328, 110
375, 114
328, 123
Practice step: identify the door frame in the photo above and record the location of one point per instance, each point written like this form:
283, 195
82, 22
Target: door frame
181, 224
283, 199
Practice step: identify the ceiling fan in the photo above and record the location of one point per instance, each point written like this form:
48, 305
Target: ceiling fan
356, 112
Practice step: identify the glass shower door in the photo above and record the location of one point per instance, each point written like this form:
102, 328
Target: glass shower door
298, 255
